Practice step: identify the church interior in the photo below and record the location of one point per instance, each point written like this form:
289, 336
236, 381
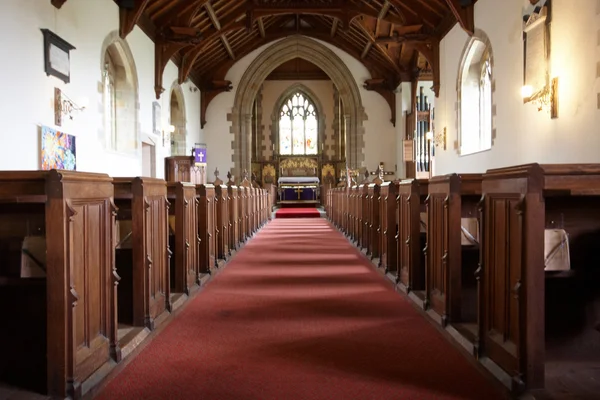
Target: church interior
281, 199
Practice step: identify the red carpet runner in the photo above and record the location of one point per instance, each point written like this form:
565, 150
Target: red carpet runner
299, 314
297, 212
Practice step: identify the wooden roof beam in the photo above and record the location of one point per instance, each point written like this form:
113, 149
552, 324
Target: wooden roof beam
382, 49
464, 15
128, 17
261, 28
338, 10
58, 3
419, 13
227, 47
366, 49
232, 23
334, 27
181, 14
382, 13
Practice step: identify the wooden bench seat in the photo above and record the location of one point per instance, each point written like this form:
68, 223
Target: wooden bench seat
535, 322
388, 212
412, 194
141, 255
68, 318
453, 251
183, 241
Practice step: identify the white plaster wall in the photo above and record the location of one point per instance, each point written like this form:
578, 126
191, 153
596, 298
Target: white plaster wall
523, 134
85, 24
272, 90
380, 134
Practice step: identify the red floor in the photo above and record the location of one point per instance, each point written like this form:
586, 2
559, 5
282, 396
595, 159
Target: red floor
297, 212
299, 313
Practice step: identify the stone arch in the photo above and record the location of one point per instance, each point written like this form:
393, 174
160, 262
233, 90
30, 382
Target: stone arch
177, 118
297, 87
297, 46
127, 136
478, 45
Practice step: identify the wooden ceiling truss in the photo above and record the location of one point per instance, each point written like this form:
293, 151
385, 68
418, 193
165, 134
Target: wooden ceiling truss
396, 40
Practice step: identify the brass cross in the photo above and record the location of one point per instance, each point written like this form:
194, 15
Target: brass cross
299, 190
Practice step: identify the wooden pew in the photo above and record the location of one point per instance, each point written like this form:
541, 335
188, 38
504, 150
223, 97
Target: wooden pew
453, 251
373, 229
184, 241
141, 257
222, 225
534, 321
232, 194
411, 240
206, 229
57, 241
240, 215
388, 214
355, 221
244, 213
362, 215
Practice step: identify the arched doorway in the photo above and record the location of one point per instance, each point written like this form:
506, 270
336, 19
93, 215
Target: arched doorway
177, 118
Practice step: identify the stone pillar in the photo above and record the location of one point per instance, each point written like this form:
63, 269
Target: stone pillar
350, 142
246, 147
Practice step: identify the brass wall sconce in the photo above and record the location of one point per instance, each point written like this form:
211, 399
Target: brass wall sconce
438, 139
545, 99
64, 106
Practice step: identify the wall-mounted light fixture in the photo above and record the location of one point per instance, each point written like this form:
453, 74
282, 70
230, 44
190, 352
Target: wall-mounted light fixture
64, 106
438, 139
167, 131
545, 99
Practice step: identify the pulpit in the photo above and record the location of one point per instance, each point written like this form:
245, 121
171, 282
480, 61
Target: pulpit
184, 169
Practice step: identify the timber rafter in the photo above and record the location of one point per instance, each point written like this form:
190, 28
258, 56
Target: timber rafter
205, 38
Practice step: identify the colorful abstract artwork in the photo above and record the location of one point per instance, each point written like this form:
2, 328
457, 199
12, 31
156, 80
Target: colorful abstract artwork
58, 150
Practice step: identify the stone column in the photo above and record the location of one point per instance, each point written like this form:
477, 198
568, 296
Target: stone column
246, 147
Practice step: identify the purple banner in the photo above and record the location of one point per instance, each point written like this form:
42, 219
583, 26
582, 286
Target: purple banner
200, 155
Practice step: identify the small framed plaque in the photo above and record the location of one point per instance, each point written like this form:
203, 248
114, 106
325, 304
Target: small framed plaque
57, 60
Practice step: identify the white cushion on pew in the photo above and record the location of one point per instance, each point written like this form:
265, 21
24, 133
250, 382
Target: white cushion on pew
556, 250
423, 216
469, 231
33, 246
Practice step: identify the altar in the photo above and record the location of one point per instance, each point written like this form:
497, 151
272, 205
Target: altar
298, 189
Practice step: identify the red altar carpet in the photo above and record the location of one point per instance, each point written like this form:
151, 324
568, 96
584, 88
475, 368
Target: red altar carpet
299, 314
297, 212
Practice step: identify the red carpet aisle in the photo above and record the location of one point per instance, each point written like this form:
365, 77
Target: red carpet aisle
299, 314
297, 212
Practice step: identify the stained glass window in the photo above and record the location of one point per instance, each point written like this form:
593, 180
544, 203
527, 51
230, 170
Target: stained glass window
298, 126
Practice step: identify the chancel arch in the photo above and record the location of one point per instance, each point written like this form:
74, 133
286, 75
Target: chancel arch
277, 54
475, 88
119, 96
178, 120
297, 99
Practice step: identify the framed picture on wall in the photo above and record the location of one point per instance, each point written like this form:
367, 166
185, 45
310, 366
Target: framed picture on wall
57, 59
156, 118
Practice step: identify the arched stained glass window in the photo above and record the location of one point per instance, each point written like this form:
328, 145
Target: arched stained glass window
298, 127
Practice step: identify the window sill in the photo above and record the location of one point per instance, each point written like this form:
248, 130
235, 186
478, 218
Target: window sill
473, 152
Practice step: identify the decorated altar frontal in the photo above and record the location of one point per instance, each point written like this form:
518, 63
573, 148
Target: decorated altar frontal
298, 189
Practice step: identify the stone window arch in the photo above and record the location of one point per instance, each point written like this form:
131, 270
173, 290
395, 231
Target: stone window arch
287, 49
119, 96
475, 87
286, 100
178, 120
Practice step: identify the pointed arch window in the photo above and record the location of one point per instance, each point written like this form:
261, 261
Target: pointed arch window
475, 85
298, 126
